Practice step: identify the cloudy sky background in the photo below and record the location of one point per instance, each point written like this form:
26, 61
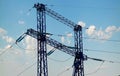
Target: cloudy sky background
101, 39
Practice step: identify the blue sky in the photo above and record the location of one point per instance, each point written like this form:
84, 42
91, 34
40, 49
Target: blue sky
100, 16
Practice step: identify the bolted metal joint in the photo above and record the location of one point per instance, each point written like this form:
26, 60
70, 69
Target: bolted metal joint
77, 28
41, 37
79, 55
40, 7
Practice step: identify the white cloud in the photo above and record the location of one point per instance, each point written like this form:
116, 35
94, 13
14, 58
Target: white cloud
81, 23
3, 35
102, 34
111, 29
2, 31
30, 44
69, 35
90, 30
21, 22
8, 46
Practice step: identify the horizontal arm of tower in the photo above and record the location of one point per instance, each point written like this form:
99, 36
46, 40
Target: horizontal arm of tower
60, 18
52, 42
96, 59
20, 38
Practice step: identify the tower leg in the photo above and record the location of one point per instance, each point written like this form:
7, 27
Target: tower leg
78, 62
42, 69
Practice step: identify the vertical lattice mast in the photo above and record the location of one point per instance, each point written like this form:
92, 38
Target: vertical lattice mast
42, 69
79, 58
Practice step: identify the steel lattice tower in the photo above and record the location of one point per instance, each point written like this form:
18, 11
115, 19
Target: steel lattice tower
42, 40
42, 68
79, 57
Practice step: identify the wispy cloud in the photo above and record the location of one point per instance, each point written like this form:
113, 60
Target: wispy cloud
22, 12
112, 29
69, 35
81, 23
66, 38
8, 39
3, 31
21, 22
4, 36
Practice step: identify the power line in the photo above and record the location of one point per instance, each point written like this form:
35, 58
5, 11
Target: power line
100, 64
24, 48
102, 60
84, 49
30, 65
26, 69
102, 51
96, 50
59, 60
68, 68
35, 63
102, 39
6, 49
63, 35
25, 63
64, 71
96, 69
